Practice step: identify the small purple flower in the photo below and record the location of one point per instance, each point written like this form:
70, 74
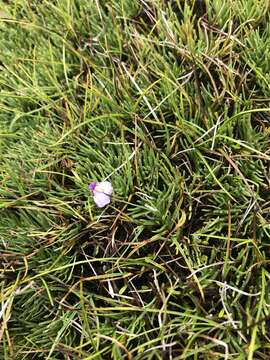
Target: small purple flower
101, 192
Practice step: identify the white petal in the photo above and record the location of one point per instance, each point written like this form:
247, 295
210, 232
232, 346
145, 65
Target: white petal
106, 187
101, 199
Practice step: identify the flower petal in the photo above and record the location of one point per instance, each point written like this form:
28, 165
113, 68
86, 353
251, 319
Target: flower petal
106, 187
92, 186
101, 199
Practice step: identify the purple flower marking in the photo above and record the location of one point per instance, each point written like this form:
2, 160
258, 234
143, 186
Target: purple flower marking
101, 192
92, 186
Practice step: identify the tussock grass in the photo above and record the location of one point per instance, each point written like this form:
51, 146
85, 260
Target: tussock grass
169, 100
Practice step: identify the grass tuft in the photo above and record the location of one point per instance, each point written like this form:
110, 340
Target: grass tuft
168, 100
